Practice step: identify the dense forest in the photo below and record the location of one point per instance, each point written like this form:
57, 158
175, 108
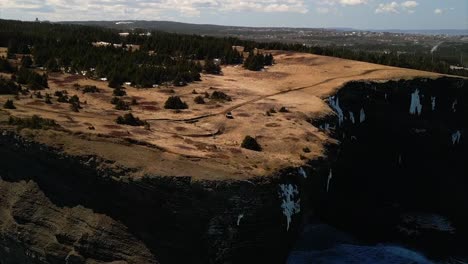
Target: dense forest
151, 59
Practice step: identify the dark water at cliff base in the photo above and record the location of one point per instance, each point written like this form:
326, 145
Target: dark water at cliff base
321, 243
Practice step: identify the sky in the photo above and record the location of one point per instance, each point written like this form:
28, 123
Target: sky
359, 14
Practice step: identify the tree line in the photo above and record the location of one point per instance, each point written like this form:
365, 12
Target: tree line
161, 57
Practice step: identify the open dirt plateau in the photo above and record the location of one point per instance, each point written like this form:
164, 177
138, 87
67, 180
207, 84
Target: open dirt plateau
201, 142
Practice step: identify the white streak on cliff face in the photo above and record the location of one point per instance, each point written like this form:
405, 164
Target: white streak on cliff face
330, 176
239, 218
288, 193
454, 105
335, 105
351, 117
415, 107
385, 96
456, 137
433, 103
362, 116
302, 172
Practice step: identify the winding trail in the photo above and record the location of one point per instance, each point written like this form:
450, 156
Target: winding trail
254, 100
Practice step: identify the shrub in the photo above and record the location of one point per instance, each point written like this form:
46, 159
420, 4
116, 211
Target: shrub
119, 92
90, 89
34, 122
8, 87
306, 150
218, 95
9, 105
32, 79
75, 107
129, 119
74, 102
48, 99
114, 83
26, 62
174, 102
199, 100
134, 101
63, 99
5, 66
251, 143
211, 67
122, 105
283, 110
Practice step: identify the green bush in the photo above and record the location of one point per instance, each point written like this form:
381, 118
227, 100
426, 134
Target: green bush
174, 102
251, 143
283, 110
90, 89
8, 87
119, 92
5, 66
130, 120
199, 100
48, 99
9, 105
122, 105
34, 122
26, 62
218, 95
211, 67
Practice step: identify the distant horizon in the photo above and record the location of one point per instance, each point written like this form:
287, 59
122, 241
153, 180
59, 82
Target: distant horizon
356, 14
249, 26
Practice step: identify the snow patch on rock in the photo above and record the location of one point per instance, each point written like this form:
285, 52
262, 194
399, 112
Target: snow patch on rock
290, 205
415, 107
302, 172
351, 117
456, 137
335, 105
362, 116
239, 218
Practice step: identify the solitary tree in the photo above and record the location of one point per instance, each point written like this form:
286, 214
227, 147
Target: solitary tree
251, 143
9, 105
174, 102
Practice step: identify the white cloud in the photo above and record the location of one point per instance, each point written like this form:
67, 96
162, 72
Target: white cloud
440, 11
342, 2
397, 8
353, 2
144, 9
388, 8
409, 4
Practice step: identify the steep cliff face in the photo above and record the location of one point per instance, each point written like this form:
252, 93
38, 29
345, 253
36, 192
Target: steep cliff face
399, 171
398, 174
74, 206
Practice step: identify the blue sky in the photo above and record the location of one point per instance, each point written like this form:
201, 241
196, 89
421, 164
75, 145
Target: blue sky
362, 14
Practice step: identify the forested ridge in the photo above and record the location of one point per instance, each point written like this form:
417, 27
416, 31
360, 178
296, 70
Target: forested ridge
159, 57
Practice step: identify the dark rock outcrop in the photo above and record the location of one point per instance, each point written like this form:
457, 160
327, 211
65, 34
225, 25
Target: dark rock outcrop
399, 171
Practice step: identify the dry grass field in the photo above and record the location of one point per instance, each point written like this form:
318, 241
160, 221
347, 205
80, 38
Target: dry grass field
200, 141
